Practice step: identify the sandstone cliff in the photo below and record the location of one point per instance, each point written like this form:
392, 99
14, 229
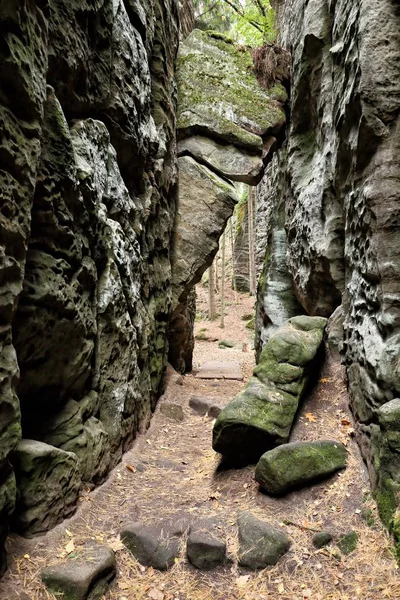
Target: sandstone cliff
334, 194
88, 182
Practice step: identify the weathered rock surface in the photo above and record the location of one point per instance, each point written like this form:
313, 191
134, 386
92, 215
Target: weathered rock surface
85, 578
226, 160
295, 465
339, 177
155, 545
48, 481
87, 120
206, 549
226, 128
219, 95
260, 544
241, 246
261, 417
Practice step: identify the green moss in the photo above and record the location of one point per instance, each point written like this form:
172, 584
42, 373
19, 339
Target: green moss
348, 543
387, 502
218, 90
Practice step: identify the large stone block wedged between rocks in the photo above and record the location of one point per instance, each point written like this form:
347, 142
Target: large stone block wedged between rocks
85, 578
261, 417
48, 482
294, 465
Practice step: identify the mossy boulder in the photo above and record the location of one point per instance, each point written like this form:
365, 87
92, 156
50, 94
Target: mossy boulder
261, 417
219, 93
298, 464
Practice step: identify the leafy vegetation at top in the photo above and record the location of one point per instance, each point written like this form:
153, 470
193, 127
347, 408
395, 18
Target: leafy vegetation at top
250, 22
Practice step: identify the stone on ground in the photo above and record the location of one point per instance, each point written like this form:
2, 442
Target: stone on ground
205, 547
260, 544
155, 545
85, 578
48, 481
321, 539
298, 464
261, 417
172, 411
203, 406
348, 543
220, 370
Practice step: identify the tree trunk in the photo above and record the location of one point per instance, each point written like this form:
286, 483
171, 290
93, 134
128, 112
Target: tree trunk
222, 322
211, 293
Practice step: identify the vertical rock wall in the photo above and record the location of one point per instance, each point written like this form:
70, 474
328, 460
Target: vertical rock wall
339, 188
88, 190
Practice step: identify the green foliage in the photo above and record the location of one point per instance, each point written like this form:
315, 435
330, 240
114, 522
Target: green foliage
250, 22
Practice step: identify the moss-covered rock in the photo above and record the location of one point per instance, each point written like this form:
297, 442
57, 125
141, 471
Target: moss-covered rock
219, 93
261, 417
48, 481
298, 464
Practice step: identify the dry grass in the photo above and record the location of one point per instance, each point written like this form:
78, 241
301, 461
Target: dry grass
172, 470
271, 64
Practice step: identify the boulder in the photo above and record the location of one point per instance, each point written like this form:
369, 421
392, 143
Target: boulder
348, 543
219, 93
260, 544
321, 539
261, 417
227, 160
203, 406
48, 482
156, 545
205, 547
85, 578
298, 464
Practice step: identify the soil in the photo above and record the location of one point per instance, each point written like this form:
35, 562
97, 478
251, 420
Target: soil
172, 470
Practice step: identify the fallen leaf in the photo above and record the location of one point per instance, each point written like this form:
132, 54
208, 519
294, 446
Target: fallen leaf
281, 588
70, 547
155, 594
312, 418
26, 556
242, 580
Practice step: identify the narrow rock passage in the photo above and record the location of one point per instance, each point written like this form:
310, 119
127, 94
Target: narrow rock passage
172, 472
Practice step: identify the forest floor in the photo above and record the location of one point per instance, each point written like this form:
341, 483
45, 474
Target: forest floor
172, 470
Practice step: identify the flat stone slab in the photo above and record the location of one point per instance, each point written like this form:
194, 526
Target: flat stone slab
86, 578
220, 370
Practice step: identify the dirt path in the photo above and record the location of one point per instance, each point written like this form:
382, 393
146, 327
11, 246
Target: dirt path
173, 470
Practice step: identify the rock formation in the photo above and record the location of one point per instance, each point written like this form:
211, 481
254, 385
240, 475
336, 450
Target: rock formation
261, 417
227, 124
336, 187
88, 183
